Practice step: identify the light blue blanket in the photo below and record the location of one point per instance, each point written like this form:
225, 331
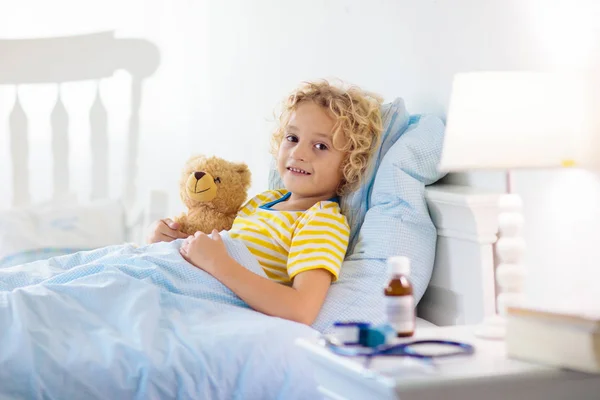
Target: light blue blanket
124, 322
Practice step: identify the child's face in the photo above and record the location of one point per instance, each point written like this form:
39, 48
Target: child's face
308, 163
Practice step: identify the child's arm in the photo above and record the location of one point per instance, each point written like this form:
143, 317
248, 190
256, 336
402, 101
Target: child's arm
300, 303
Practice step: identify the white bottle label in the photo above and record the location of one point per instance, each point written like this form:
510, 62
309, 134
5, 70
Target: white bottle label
401, 313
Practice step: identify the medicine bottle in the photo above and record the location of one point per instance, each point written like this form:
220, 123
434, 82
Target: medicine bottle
399, 299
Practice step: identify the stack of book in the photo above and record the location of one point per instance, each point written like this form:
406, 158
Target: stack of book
560, 339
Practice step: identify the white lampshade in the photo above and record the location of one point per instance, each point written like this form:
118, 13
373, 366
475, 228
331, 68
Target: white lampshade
502, 120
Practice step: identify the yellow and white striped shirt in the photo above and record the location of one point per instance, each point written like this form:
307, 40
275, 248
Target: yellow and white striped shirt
289, 242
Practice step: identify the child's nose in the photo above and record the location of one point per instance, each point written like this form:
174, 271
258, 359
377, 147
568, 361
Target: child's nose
300, 152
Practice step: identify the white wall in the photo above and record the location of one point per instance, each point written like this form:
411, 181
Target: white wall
257, 51
226, 64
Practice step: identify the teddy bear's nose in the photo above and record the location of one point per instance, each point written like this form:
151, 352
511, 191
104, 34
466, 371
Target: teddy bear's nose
198, 175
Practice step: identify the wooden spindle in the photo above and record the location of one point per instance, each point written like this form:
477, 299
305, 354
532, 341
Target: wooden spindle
59, 121
131, 160
99, 145
19, 150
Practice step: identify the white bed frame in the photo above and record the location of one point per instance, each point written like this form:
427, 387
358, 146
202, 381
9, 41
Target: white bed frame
462, 287
77, 58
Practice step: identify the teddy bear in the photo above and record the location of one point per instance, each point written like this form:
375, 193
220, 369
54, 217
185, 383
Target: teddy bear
213, 190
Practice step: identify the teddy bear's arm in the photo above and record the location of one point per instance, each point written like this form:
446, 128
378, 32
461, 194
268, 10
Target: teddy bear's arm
225, 223
204, 222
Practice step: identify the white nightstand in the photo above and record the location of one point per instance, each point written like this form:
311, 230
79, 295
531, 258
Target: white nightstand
487, 374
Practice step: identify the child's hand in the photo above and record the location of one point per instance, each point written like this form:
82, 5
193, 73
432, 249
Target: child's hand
204, 252
164, 230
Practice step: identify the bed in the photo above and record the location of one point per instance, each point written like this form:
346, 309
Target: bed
243, 354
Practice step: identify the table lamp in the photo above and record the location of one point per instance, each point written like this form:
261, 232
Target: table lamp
512, 120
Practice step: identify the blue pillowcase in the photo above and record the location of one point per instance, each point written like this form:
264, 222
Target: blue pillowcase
388, 216
395, 120
397, 222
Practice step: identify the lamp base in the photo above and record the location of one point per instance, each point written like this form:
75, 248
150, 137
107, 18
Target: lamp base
493, 328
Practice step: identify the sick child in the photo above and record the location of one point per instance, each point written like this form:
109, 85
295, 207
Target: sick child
323, 144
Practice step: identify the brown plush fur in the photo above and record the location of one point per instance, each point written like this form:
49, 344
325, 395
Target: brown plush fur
228, 182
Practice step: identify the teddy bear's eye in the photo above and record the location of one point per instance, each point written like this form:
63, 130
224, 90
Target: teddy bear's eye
217, 180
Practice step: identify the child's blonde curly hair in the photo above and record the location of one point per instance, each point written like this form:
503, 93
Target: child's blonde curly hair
358, 121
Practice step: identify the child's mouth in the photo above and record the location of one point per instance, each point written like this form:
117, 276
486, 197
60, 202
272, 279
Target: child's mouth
297, 171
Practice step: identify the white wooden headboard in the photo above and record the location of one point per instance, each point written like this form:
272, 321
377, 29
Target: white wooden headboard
66, 59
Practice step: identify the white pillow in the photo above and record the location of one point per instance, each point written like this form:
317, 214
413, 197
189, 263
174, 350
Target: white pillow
44, 230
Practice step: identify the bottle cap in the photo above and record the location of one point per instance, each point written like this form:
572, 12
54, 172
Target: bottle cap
399, 265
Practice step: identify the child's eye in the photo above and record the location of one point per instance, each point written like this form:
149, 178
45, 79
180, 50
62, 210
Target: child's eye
291, 138
217, 180
321, 146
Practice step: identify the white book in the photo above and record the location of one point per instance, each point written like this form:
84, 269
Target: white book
559, 339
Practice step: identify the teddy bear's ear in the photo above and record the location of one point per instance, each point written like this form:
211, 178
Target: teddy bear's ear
244, 171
